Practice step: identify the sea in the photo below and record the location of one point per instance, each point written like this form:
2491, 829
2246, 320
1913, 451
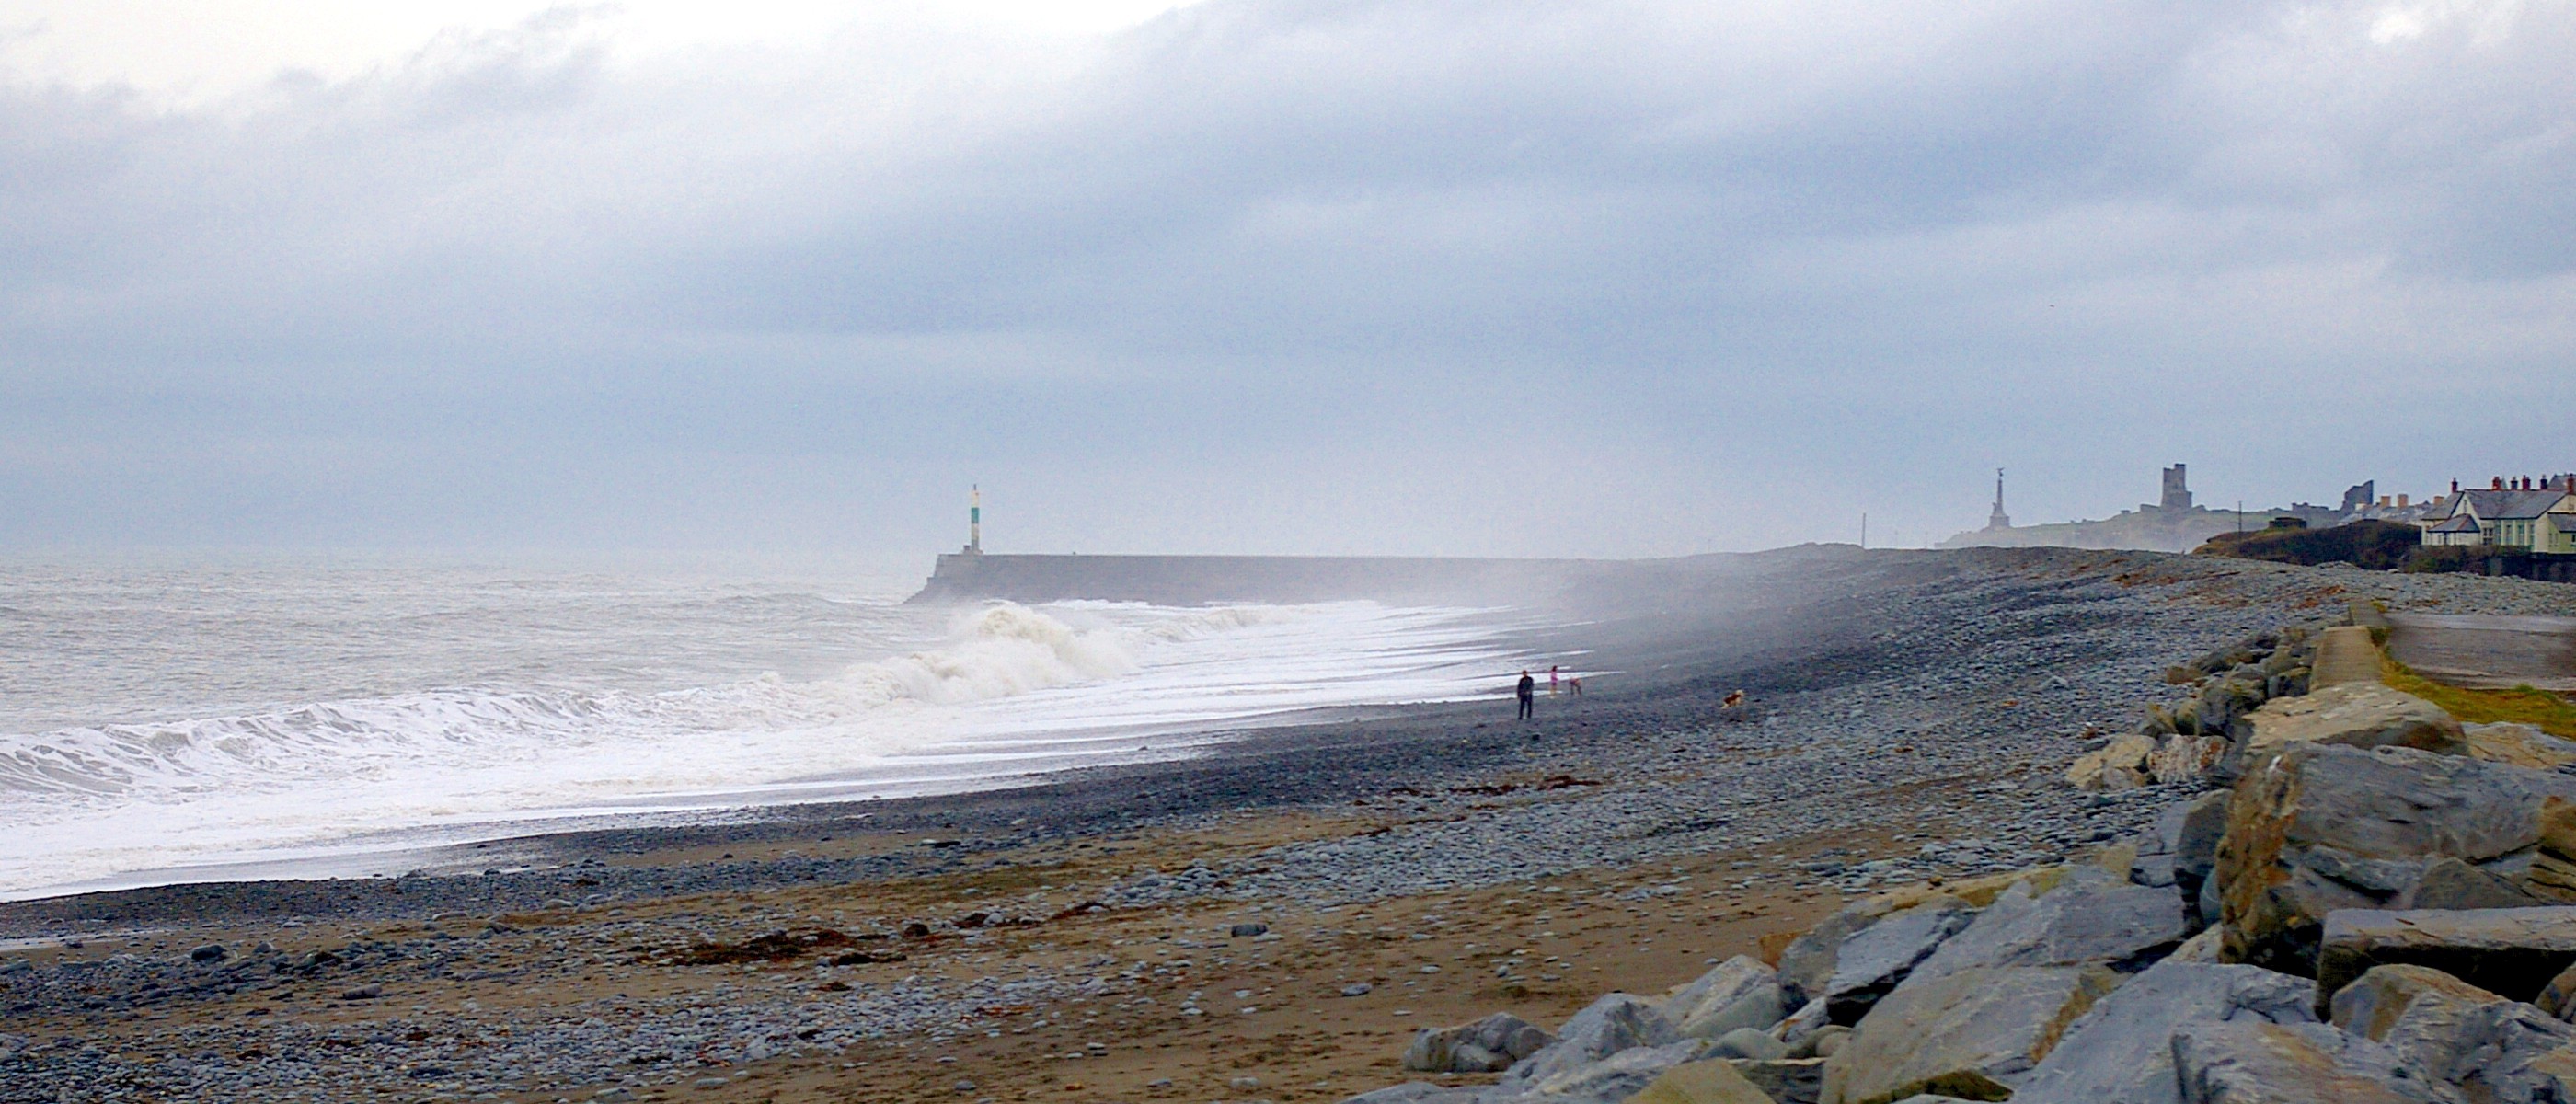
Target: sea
177, 719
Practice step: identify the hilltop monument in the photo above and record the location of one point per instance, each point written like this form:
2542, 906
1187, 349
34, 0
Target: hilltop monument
2177, 495
1999, 519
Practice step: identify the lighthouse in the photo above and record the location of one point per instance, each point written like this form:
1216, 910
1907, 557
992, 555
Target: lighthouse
975, 520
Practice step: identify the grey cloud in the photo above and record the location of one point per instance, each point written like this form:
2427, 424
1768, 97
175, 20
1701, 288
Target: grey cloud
1695, 252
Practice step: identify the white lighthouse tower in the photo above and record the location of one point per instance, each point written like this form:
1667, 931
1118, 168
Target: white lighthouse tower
975, 521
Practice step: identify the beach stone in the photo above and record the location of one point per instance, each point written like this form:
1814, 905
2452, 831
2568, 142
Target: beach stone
2202, 821
1809, 960
1739, 992
1973, 1032
1420, 1092
2512, 952
2118, 765
2252, 1062
2494, 1049
2121, 1051
2153, 870
1748, 1042
2358, 714
1485, 1046
1802, 1024
211, 952
1822, 1044
2182, 758
1785, 1080
1247, 931
15, 966
2449, 883
1875, 959
2091, 918
1701, 1082
2323, 827
2558, 998
1614, 1023
2518, 745
2199, 948
1608, 1080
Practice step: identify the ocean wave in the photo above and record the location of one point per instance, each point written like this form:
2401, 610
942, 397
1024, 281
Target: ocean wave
997, 651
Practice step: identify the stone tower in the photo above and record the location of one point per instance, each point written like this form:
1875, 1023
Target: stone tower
1999, 519
2177, 495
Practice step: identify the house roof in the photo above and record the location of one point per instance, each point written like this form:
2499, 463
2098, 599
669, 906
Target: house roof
2456, 523
2564, 523
2508, 505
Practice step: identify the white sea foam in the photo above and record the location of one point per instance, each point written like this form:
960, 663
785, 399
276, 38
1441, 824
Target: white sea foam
1009, 690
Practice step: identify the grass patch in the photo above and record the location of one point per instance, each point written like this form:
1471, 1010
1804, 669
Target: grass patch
2538, 708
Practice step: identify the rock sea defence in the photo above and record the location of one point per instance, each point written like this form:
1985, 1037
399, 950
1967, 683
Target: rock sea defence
2369, 903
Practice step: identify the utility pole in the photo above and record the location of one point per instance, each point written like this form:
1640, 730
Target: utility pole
1864, 528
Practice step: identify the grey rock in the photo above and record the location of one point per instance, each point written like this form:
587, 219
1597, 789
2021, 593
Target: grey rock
1614, 1023
1357, 989
2496, 1050
2153, 870
1485, 1046
2558, 998
15, 966
2512, 952
1608, 1080
2088, 918
211, 952
1787, 1080
1802, 1024
1822, 1044
1748, 1042
1739, 992
1419, 1092
1809, 960
1975, 1031
1246, 931
2121, 1052
2197, 830
2251, 1062
2449, 883
2323, 827
1876, 958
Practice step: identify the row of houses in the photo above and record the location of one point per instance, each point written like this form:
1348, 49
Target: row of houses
2523, 514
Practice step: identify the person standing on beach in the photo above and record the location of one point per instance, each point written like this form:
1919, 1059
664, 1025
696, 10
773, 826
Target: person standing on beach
1551, 680
1529, 695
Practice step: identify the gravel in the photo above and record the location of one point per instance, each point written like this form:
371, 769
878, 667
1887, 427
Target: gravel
1930, 699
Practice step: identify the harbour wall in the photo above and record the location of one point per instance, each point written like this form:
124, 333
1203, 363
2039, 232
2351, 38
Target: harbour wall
1198, 580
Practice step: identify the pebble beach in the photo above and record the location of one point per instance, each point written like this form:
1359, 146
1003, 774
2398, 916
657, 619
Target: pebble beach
1268, 921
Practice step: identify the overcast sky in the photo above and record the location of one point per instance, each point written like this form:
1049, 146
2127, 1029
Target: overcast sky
1246, 275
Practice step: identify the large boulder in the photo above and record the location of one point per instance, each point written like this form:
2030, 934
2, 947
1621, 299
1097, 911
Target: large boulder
2252, 1062
2121, 1052
1608, 1080
1810, 960
2197, 826
1739, 992
2118, 765
1420, 1092
2518, 745
1786, 1080
1485, 1046
2362, 715
1614, 1023
2091, 918
2322, 827
1873, 961
2495, 1050
2513, 952
1972, 1033
1706, 1082
2449, 883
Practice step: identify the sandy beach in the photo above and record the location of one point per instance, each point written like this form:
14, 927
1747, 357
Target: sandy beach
1267, 922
